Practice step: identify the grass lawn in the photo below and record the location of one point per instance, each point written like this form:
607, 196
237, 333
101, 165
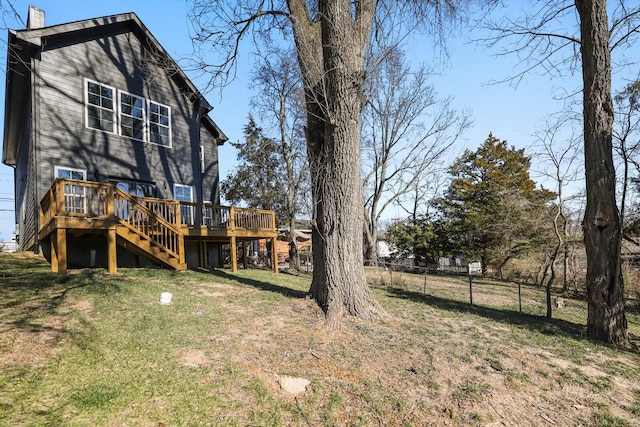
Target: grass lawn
91, 349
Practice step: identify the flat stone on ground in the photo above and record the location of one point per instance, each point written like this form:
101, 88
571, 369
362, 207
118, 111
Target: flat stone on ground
294, 385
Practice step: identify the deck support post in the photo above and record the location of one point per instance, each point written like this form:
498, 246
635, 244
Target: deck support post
244, 255
59, 251
112, 252
202, 254
234, 254
274, 254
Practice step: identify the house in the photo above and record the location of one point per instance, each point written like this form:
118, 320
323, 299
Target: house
114, 153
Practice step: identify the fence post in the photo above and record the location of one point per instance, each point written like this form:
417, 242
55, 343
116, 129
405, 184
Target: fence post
424, 291
520, 296
470, 290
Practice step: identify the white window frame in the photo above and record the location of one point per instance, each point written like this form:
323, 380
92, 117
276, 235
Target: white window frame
87, 104
202, 159
121, 115
57, 169
183, 186
118, 115
187, 213
150, 123
76, 201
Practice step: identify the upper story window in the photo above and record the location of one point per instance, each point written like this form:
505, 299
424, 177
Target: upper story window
100, 106
132, 113
202, 165
137, 117
159, 124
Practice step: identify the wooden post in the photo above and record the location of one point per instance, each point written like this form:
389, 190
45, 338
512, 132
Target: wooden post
59, 251
274, 254
234, 253
178, 214
112, 255
60, 198
232, 218
110, 200
180, 237
244, 255
202, 250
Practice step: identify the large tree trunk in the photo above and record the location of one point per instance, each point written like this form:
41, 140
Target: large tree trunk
331, 56
605, 290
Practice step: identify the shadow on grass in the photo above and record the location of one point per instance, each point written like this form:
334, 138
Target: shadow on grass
29, 293
258, 284
537, 323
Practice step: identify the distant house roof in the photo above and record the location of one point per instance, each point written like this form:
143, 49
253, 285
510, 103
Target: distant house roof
22, 45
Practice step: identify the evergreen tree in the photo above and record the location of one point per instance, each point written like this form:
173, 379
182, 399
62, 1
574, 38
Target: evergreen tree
492, 206
257, 181
422, 239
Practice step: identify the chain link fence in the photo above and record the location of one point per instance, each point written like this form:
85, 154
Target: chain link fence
456, 284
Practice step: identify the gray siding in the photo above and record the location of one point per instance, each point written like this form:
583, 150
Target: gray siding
65, 140
26, 207
210, 175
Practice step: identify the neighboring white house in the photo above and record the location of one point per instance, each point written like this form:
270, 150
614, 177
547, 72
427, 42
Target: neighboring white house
384, 250
8, 246
456, 264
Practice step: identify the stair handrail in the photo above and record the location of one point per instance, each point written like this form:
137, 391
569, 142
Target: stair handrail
174, 248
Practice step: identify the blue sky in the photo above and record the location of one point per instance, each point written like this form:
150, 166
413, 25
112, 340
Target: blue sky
510, 113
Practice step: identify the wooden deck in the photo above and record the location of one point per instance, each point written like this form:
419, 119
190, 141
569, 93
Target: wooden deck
154, 228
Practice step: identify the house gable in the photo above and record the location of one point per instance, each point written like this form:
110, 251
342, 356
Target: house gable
25, 46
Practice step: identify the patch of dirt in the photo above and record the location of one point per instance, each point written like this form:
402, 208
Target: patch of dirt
193, 358
215, 290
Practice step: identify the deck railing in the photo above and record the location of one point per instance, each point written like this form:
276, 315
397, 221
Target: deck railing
253, 219
223, 217
73, 198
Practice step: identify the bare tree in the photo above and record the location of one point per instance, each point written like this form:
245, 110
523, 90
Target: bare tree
280, 100
562, 36
626, 138
331, 39
407, 130
560, 151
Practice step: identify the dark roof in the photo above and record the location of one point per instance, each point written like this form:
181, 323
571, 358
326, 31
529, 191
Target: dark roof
22, 45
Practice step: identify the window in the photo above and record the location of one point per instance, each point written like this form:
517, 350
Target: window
132, 116
202, 159
138, 118
74, 195
184, 193
159, 124
69, 173
135, 188
100, 107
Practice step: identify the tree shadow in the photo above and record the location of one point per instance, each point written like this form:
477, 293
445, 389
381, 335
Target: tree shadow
28, 298
538, 323
258, 284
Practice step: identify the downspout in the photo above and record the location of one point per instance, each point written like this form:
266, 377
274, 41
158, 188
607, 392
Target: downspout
35, 90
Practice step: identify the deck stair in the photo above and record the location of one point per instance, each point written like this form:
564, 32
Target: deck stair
144, 232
